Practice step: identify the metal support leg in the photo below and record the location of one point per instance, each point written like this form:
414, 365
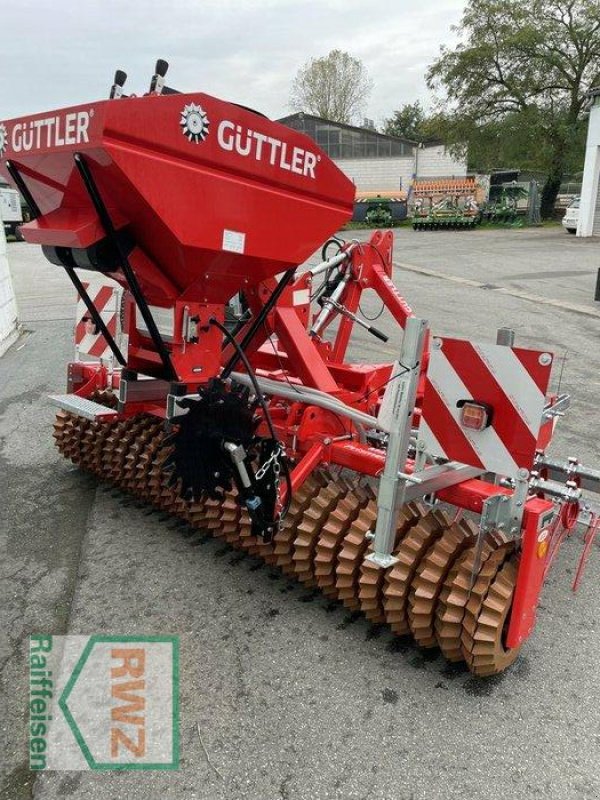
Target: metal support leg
398, 405
24, 189
130, 277
67, 261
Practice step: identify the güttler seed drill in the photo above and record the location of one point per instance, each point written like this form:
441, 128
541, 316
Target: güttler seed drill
215, 383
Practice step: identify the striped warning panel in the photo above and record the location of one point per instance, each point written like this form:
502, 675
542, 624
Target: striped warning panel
107, 299
511, 382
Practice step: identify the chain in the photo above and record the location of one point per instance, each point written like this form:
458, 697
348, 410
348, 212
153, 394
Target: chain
274, 459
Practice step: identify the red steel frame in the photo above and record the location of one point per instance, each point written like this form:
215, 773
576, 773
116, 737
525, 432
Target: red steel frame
283, 350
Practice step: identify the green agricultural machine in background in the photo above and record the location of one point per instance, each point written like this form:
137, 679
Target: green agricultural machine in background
449, 213
445, 203
503, 205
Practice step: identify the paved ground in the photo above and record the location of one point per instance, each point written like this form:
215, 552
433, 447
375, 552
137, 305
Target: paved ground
295, 698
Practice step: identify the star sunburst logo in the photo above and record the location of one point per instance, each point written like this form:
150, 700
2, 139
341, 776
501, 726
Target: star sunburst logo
194, 123
3, 138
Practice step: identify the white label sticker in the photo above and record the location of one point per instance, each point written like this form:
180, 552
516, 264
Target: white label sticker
234, 241
301, 297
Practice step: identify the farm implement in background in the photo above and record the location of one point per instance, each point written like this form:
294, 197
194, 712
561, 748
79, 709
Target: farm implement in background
445, 204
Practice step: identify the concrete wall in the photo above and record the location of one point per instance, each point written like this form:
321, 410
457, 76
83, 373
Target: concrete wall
589, 207
436, 162
393, 174
8, 306
378, 174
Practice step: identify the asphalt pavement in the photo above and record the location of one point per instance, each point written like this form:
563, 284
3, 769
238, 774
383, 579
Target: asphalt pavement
294, 697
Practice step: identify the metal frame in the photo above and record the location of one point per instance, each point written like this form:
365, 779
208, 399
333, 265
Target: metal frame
68, 263
321, 411
569, 470
132, 282
401, 395
23, 188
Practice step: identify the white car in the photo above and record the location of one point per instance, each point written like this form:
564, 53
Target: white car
571, 217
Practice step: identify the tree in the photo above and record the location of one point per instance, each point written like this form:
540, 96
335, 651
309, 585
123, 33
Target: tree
528, 62
334, 87
408, 122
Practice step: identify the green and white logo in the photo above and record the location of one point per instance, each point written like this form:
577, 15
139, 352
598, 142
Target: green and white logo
103, 702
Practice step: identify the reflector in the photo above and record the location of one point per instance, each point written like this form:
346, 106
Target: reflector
474, 416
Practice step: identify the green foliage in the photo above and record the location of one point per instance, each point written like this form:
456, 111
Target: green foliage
335, 87
515, 85
408, 122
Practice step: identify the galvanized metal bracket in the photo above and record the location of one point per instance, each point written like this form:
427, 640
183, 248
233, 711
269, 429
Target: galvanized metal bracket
433, 479
558, 408
398, 404
501, 512
570, 470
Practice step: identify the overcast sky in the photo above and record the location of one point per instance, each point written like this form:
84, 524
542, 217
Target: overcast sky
57, 53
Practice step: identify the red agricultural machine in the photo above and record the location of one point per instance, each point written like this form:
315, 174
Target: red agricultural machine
221, 393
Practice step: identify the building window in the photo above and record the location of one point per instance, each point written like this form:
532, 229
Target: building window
341, 142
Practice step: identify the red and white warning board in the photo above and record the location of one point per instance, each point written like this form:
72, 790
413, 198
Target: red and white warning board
107, 299
500, 389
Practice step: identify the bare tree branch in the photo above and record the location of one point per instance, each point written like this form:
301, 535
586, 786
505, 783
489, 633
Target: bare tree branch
334, 87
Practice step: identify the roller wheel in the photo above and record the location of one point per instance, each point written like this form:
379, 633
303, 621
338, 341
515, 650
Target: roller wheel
310, 528
484, 644
323, 541
429, 579
283, 541
455, 594
477, 595
372, 577
351, 555
332, 537
399, 578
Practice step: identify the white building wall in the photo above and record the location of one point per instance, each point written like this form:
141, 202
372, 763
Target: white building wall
436, 162
379, 174
390, 175
589, 206
8, 306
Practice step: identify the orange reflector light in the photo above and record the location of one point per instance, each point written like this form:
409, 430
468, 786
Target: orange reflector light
474, 416
542, 549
